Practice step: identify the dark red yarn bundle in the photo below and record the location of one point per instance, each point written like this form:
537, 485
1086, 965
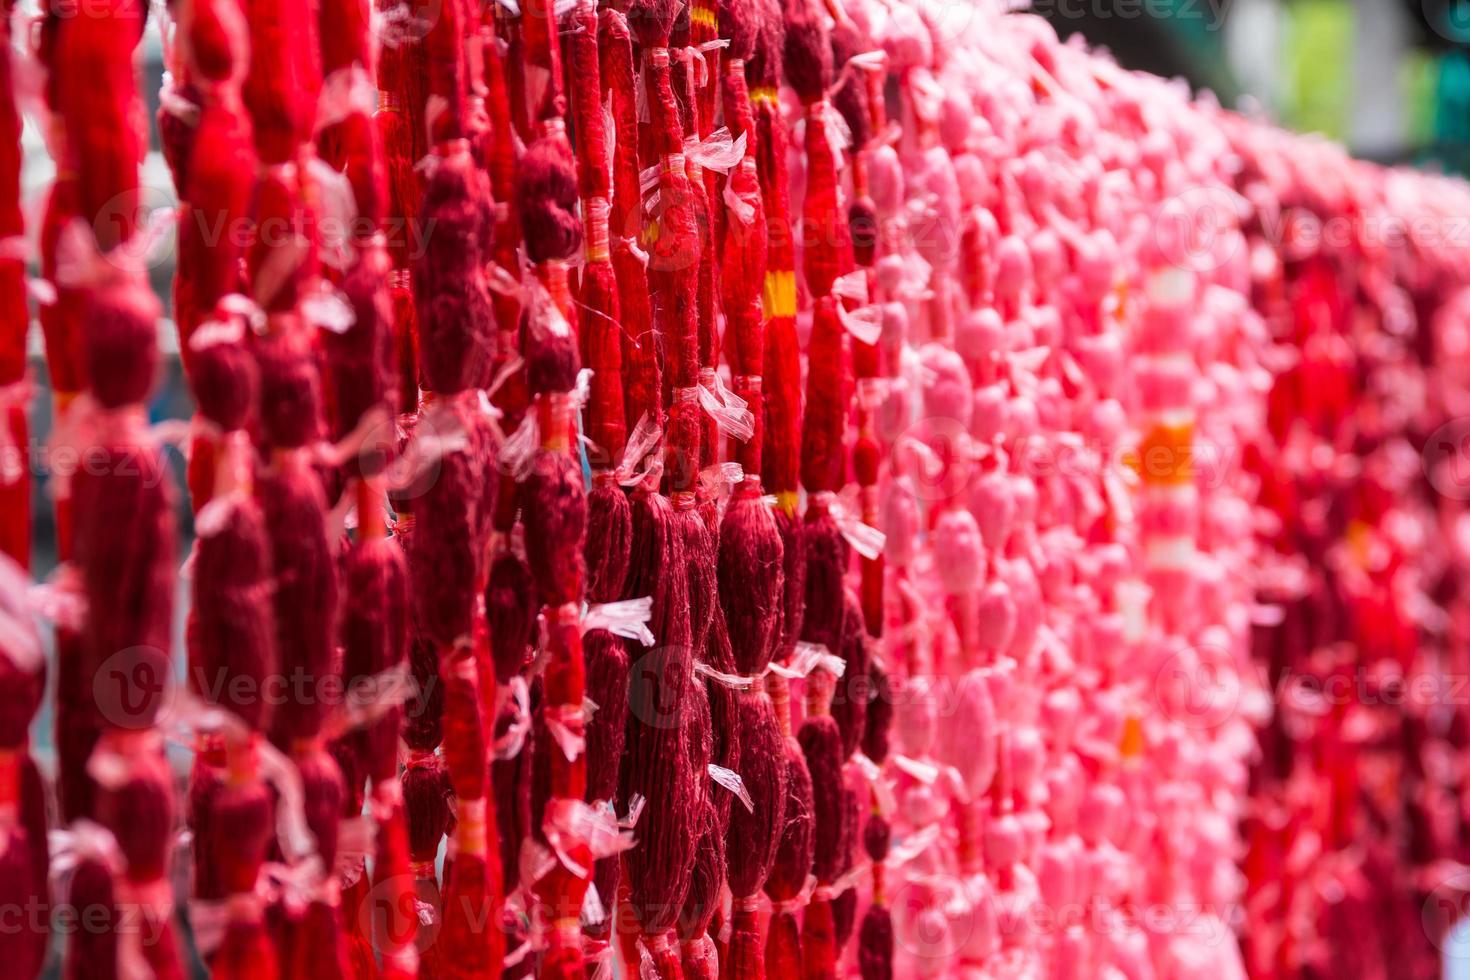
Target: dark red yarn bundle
295, 506
860, 102
711, 645
849, 708
607, 658
374, 634
305, 572
232, 648
707, 876
25, 857
312, 942
751, 556
452, 513
714, 742
471, 945
231, 634
609, 515
219, 176
125, 546
15, 489
553, 495
216, 179
360, 362
788, 877
451, 522
76, 724
22, 676
657, 763
399, 123
875, 934
455, 317
821, 743
665, 760
555, 515
242, 818
113, 308
426, 798
511, 612
808, 64
375, 630
780, 468
453, 516
685, 296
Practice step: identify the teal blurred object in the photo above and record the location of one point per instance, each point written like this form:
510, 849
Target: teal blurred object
1452, 111
1448, 19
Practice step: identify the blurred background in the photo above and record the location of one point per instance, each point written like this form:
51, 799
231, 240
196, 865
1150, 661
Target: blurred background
1390, 79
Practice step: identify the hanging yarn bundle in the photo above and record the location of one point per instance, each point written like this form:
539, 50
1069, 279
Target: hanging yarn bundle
364, 393
452, 516
124, 535
107, 147
643, 397
712, 719
375, 644
305, 575
134, 787
751, 556
26, 858
609, 514
231, 634
875, 934
221, 162
555, 513
808, 64
666, 759
15, 484
76, 727
398, 119
216, 187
